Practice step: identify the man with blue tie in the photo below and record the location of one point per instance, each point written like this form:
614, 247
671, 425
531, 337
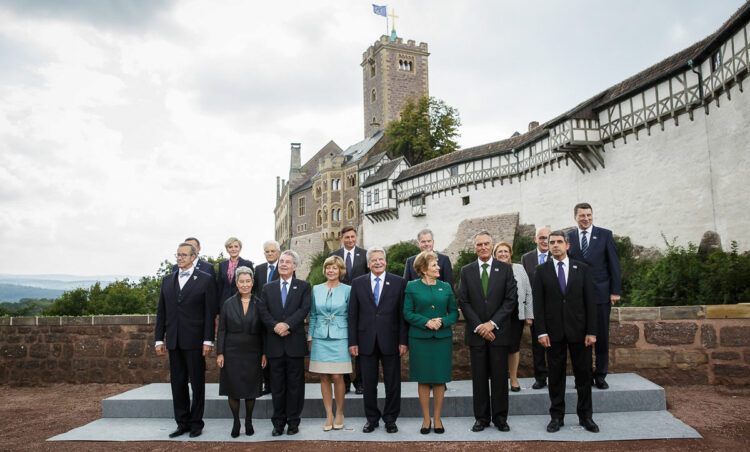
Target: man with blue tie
596, 247
185, 320
565, 312
283, 306
265, 273
378, 334
530, 261
356, 265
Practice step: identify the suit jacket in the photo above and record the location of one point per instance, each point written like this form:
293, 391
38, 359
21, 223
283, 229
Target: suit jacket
328, 317
359, 263
446, 270
261, 277
203, 266
530, 261
231, 322
384, 322
224, 288
423, 302
297, 307
603, 260
498, 305
186, 316
568, 317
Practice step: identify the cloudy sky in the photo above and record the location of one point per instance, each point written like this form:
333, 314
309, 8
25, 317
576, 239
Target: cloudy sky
127, 125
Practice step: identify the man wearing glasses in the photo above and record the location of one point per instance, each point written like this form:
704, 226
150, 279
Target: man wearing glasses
530, 261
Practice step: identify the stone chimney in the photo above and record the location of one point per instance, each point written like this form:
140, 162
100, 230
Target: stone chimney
533, 125
278, 187
296, 163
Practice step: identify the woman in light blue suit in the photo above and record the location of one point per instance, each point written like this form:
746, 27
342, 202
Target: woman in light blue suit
328, 339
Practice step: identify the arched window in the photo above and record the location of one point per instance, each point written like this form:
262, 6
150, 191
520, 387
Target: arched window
373, 98
318, 219
350, 212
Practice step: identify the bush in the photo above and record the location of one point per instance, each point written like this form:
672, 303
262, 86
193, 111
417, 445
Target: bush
316, 275
396, 257
522, 244
466, 256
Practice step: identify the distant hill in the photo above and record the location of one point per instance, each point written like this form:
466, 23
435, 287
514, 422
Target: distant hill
14, 292
59, 281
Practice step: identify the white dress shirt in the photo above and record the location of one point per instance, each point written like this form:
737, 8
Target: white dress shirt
489, 273
539, 253
349, 252
588, 234
372, 281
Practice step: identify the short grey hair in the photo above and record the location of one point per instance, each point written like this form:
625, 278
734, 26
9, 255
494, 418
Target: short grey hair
193, 250
559, 232
482, 232
244, 270
425, 231
271, 242
294, 255
375, 249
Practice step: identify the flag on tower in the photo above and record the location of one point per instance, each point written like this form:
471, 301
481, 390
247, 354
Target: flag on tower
379, 10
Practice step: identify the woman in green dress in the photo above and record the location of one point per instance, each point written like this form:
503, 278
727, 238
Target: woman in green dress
430, 309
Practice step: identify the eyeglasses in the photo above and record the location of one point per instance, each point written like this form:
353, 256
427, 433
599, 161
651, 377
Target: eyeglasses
179, 255
542, 237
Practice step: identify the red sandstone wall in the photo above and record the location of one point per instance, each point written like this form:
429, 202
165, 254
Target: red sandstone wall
696, 345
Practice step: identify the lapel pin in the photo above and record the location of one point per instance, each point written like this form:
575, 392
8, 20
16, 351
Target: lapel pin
440, 289
594, 237
497, 269
195, 277
294, 287
357, 254
575, 266
387, 283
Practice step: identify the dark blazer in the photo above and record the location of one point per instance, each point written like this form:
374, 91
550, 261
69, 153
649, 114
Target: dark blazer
359, 263
230, 321
602, 259
203, 266
530, 261
186, 316
446, 270
298, 302
261, 277
384, 322
568, 317
498, 305
225, 289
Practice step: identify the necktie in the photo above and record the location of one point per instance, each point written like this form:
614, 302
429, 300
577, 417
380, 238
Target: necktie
485, 278
349, 263
561, 276
376, 291
584, 243
541, 258
184, 274
283, 294
270, 273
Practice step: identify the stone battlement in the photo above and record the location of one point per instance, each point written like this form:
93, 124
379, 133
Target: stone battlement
385, 41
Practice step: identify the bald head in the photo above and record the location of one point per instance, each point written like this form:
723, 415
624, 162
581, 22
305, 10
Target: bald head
541, 239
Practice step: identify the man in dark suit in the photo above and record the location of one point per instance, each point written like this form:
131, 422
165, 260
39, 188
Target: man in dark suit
378, 334
198, 263
488, 295
265, 273
426, 243
185, 315
565, 312
596, 247
355, 260
530, 261
283, 306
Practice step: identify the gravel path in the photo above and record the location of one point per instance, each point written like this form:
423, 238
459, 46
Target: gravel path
32, 414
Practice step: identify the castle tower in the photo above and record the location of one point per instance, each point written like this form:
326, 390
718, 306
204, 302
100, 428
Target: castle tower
391, 73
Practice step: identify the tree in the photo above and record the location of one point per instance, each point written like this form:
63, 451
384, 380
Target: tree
427, 129
397, 255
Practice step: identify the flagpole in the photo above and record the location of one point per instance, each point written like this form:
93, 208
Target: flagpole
386, 22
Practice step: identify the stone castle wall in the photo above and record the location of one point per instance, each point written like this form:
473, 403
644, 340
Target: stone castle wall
680, 182
690, 345
307, 246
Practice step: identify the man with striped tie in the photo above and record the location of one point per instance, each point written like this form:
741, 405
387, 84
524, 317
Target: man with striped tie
596, 247
530, 261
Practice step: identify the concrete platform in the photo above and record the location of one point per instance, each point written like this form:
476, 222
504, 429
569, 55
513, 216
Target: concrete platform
627, 393
614, 427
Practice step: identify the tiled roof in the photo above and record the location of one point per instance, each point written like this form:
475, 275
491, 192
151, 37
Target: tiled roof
360, 149
383, 173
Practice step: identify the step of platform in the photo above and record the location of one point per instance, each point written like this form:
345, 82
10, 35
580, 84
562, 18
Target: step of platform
627, 393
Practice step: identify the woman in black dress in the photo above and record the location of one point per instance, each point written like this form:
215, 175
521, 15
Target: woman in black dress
239, 349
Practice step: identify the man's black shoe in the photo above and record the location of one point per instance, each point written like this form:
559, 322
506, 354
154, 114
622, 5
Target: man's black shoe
589, 425
196, 433
503, 427
600, 383
358, 389
266, 390
348, 389
277, 431
478, 426
178, 432
390, 427
554, 425
539, 384
369, 427
292, 430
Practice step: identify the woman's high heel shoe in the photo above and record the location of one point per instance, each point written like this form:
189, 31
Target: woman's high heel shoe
236, 429
249, 430
328, 427
425, 430
338, 426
